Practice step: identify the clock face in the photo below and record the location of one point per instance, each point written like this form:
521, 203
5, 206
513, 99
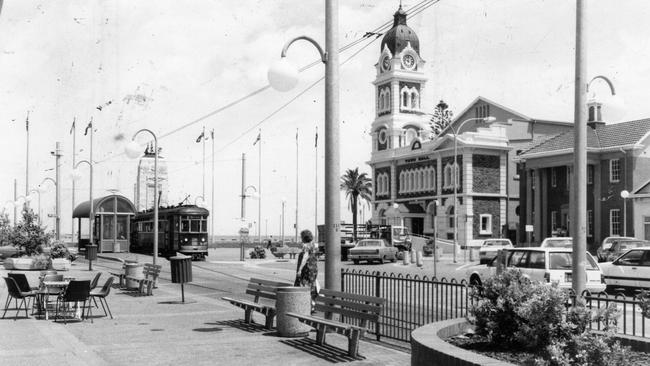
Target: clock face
408, 61
385, 63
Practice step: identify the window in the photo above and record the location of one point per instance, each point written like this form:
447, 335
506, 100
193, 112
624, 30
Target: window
614, 170
537, 260
590, 223
590, 174
553, 220
568, 178
614, 222
486, 224
447, 176
553, 178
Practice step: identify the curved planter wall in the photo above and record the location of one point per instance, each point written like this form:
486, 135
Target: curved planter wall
429, 348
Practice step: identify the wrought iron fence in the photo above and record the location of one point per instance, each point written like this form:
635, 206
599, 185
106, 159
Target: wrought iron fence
411, 301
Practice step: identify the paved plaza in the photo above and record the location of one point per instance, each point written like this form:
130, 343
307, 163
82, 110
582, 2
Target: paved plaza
160, 330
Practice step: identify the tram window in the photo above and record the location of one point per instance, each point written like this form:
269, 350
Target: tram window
196, 225
185, 226
204, 226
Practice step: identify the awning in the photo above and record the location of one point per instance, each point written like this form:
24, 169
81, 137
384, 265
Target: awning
108, 204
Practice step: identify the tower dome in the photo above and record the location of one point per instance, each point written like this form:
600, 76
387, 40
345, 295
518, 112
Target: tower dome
400, 35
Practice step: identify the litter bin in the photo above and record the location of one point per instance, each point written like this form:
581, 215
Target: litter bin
133, 269
91, 252
116, 247
292, 299
181, 267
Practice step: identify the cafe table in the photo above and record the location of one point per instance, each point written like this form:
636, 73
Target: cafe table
49, 288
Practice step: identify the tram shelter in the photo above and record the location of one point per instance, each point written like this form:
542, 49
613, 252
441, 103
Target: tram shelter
111, 229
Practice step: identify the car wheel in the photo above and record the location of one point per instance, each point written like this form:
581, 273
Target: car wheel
394, 259
381, 260
355, 261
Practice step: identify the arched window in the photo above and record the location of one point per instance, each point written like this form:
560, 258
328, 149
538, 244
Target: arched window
401, 182
421, 186
415, 99
456, 180
380, 102
448, 183
432, 179
387, 99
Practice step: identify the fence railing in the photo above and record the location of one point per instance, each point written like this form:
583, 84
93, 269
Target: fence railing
411, 301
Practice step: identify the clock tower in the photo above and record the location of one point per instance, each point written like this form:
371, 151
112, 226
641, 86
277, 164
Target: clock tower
399, 87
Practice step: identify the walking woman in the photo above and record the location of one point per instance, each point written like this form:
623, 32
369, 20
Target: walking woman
307, 268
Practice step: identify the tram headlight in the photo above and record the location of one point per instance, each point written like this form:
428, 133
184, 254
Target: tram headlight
202, 239
185, 239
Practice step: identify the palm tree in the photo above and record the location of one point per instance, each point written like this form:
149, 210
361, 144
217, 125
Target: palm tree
356, 185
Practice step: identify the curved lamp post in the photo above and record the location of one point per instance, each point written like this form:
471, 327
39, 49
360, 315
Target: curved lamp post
76, 175
625, 195
282, 77
199, 201
41, 189
488, 120
133, 151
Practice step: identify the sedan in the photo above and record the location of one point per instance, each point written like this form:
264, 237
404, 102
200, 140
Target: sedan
606, 244
621, 246
491, 247
557, 242
373, 250
631, 270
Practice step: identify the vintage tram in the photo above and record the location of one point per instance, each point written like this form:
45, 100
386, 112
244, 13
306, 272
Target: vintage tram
182, 229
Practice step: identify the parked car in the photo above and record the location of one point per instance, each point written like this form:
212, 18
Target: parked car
621, 246
557, 242
630, 270
601, 252
373, 250
490, 247
546, 265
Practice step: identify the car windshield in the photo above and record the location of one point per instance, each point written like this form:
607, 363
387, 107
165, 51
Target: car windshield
623, 245
369, 243
490, 243
559, 243
564, 260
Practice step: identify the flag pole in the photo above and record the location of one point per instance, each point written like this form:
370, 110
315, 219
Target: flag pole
212, 195
203, 187
296, 224
316, 187
259, 191
27, 161
73, 131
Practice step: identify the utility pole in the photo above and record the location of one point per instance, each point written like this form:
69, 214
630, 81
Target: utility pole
316, 188
212, 194
57, 225
296, 222
15, 198
73, 131
27, 161
203, 181
259, 191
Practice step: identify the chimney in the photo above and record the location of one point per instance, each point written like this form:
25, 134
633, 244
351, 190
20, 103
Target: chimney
595, 117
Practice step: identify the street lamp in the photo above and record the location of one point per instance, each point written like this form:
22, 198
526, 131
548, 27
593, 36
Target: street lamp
488, 120
134, 150
199, 201
282, 77
42, 189
76, 175
625, 195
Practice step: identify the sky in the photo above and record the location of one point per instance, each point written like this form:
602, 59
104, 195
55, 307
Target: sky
164, 65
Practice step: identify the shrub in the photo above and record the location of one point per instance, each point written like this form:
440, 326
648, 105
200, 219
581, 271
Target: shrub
28, 235
60, 250
258, 252
41, 261
511, 311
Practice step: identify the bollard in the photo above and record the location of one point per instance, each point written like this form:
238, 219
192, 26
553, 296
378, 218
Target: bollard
419, 260
412, 256
438, 254
407, 258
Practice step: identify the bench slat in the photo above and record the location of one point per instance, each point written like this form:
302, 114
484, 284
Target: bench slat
373, 317
262, 281
346, 295
372, 308
266, 295
328, 322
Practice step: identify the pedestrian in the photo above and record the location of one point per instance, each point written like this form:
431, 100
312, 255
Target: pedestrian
307, 267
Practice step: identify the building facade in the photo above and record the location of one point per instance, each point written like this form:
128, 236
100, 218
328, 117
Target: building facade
618, 161
144, 187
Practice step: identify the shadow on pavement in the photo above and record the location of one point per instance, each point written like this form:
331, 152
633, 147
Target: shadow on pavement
241, 325
325, 351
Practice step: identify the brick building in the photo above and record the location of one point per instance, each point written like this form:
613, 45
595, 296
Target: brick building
617, 160
413, 170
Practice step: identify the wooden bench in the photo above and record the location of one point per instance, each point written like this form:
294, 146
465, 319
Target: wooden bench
150, 272
349, 306
259, 288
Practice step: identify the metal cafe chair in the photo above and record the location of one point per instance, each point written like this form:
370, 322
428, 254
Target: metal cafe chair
13, 292
77, 292
23, 284
95, 281
102, 294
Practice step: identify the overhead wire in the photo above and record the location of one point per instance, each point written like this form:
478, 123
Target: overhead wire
378, 31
